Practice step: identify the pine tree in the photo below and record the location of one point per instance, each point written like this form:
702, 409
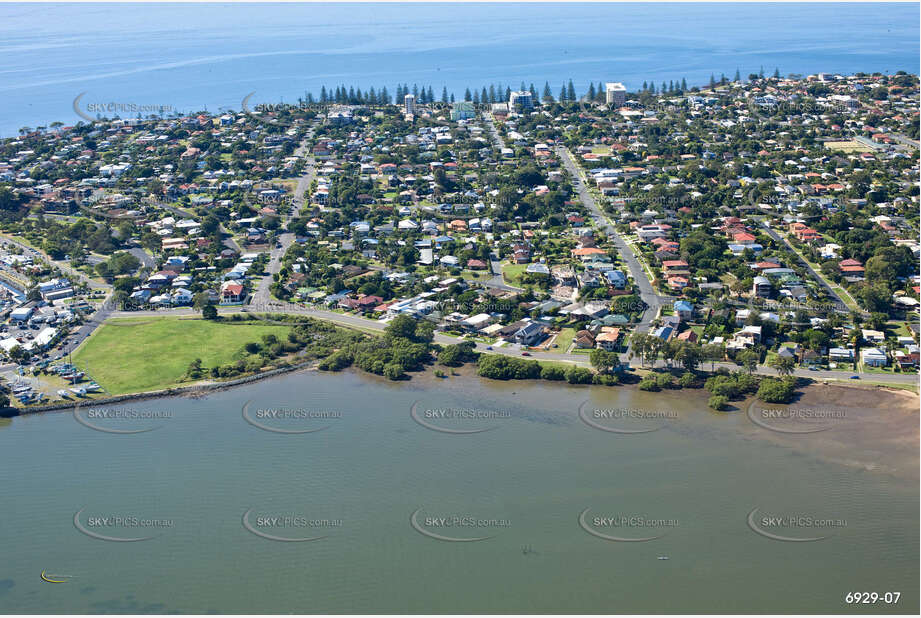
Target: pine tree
523, 87
467, 95
430, 96
508, 93
385, 96
476, 97
671, 86
723, 79
416, 91
563, 93
761, 72
738, 77
712, 80
484, 96
322, 94
444, 94
776, 73
591, 92
533, 91
684, 84
452, 97
571, 92
492, 93
548, 95
599, 94
645, 86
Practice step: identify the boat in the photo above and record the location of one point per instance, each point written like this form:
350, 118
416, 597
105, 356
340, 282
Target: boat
63, 394
48, 579
79, 392
663, 558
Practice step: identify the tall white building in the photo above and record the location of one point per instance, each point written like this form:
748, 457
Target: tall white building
615, 93
409, 104
520, 100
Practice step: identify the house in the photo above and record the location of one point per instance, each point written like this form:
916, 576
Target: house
584, 340
664, 332
908, 360
683, 309
841, 355
232, 293
608, 338
761, 287
751, 334
529, 334
616, 278
874, 357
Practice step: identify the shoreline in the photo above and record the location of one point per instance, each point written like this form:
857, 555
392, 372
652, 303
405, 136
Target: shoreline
466, 371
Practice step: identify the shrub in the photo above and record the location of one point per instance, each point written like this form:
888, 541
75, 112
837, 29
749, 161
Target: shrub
578, 375
551, 372
773, 390
648, 384
394, 371
718, 402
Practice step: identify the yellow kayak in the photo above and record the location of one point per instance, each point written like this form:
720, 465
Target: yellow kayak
52, 581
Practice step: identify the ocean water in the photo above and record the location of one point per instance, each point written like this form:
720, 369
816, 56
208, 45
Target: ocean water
524, 484
189, 57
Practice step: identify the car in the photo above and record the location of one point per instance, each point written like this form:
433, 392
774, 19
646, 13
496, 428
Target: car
813, 369
526, 354
489, 347
855, 377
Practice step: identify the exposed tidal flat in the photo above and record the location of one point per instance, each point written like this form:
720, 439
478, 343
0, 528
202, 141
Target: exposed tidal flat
369, 464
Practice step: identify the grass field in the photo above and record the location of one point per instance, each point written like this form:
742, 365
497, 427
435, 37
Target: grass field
848, 146
129, 355
512, 273
564, 339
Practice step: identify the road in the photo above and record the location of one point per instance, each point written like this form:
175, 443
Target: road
262, 295
497, 140
359, 322
64, 267
842, 306
905, 141
497, 281
649, 296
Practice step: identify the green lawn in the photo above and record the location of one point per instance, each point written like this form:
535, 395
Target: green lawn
512, 272
128, 355
564, 339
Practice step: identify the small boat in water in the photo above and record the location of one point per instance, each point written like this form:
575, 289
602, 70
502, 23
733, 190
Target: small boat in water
663, 558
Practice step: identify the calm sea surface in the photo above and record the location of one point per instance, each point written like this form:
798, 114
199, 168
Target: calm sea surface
193, 57
523, 484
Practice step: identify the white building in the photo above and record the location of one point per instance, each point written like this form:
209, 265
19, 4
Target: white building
615, 93
409, 104
520, 100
